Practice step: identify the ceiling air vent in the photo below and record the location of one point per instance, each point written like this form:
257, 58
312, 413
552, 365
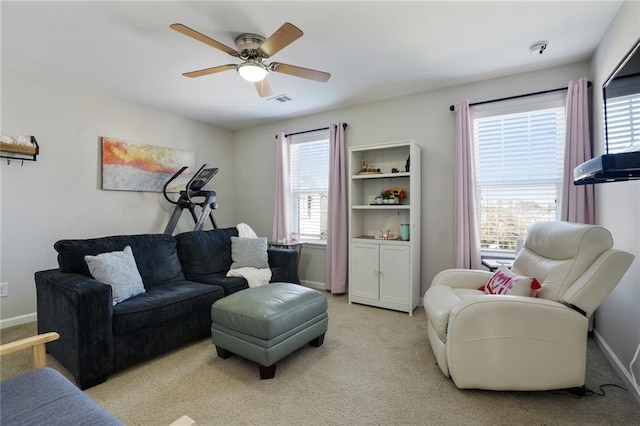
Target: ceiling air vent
280, 99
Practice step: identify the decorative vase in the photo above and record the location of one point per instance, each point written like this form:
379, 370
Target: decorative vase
404, 231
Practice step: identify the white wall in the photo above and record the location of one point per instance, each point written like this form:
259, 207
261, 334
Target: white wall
59, 196
424, 117
617, 321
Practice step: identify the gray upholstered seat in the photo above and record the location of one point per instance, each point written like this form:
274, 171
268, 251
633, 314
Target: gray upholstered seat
44, 396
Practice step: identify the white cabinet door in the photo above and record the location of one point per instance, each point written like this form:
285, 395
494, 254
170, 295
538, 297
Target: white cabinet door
394, 274
364, 272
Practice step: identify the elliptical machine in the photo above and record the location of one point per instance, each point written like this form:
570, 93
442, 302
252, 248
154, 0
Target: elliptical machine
193, 190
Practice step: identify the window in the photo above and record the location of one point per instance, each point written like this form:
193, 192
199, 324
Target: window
519, 149
309, 156
623, 123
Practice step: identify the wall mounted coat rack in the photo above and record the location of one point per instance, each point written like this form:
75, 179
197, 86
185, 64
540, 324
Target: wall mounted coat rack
12, 151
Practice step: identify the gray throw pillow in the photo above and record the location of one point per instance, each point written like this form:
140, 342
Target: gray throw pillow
249, 253
118, 269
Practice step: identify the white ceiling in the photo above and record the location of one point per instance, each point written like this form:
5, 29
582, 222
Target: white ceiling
373, 49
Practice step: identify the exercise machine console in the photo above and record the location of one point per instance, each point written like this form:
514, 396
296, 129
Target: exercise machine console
193, 190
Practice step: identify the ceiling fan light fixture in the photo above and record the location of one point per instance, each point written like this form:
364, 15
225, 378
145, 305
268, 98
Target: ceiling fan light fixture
252, 71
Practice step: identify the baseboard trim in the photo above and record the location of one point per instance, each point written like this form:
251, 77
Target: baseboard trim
21, 319
314, 284
617, 365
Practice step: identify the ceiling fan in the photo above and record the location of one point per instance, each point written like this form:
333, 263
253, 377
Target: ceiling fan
253, 49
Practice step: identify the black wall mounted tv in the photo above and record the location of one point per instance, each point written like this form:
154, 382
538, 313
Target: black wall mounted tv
621, 104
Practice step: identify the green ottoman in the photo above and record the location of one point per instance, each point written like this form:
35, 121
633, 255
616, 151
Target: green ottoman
267, 323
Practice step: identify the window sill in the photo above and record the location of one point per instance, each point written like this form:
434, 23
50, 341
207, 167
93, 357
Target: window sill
498, 254
315, 243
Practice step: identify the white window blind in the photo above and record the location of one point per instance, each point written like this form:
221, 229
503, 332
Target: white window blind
623, 123
309, 158
519, 161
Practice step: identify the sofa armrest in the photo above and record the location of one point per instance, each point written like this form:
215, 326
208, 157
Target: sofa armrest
462, 278
492, 342
80, 310
287, 259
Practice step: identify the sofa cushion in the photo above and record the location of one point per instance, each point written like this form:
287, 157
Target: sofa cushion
156, 255
163, 303
249, 253
117, 269
233, 284
44, 396
229, 284
205, 252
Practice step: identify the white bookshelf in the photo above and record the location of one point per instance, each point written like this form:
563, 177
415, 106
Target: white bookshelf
384, 273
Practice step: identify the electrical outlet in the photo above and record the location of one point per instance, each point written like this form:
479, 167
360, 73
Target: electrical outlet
4, 289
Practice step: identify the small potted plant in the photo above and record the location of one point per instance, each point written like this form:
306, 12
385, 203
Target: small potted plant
393, 195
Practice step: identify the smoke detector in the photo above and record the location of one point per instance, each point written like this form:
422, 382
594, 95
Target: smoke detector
538, 47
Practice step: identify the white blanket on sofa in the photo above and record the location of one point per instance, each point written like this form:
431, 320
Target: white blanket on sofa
245, 231
255, 276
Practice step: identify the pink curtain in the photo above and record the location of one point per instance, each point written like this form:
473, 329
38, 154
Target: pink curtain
467, 232
577, 201
282, 210
337, 239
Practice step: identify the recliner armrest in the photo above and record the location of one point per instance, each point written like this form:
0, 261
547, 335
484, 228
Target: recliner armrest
80, 310
462, 278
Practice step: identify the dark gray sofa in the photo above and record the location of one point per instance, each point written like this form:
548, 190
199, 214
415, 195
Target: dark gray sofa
182, 276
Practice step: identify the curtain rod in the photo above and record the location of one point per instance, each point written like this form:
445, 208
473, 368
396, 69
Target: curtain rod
344, 126
452, 107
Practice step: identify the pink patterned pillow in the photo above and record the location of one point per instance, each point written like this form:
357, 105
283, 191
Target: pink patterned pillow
504, 281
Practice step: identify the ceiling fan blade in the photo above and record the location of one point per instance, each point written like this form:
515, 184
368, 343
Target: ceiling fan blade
296, 71
263, 88
204, 39
212, 70
284, 36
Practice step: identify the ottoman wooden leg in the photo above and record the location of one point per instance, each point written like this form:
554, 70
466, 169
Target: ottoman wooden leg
223, 353
267, 372
317, 341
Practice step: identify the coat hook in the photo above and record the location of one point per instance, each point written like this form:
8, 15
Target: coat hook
22, 164
8, 161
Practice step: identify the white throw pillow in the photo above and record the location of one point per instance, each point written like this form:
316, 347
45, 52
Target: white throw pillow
118, 269
505, 281
249, 253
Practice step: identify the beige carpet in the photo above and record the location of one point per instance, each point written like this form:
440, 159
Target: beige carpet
375, 368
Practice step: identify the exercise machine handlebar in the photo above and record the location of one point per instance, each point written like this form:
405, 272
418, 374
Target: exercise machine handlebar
171, 179
193, 188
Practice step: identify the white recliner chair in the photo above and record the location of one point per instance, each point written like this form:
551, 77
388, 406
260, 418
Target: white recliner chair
497, 342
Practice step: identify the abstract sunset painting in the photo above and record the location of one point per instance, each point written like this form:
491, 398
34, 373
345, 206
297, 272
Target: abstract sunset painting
130, 166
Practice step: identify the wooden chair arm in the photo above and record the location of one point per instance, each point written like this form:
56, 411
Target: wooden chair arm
35, 342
